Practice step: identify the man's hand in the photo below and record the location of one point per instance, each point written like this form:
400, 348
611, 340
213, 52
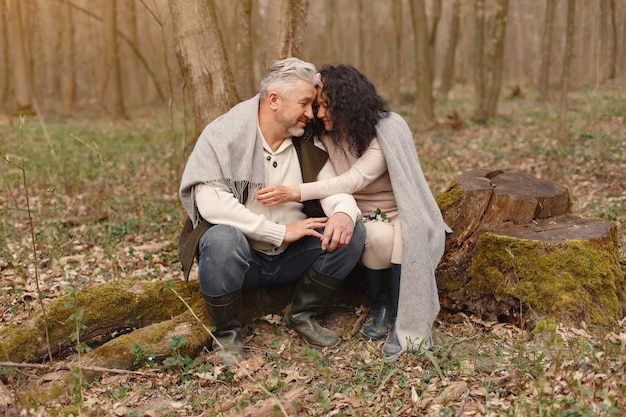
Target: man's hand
298, 230
338, 232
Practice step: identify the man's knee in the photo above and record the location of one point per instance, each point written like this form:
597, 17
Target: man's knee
221, 239
358, 236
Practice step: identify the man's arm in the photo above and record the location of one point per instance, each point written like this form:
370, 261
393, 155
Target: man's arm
218, 206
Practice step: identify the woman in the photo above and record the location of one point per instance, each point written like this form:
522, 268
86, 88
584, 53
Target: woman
373, 151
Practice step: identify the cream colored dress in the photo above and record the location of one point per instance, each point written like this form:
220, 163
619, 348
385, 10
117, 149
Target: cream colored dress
367, 179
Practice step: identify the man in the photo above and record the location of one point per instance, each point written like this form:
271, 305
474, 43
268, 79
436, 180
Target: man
242, 244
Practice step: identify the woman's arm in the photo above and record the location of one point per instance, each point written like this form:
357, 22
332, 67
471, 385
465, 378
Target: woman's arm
363, 172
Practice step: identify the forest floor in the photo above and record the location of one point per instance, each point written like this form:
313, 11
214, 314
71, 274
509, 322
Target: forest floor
102, 206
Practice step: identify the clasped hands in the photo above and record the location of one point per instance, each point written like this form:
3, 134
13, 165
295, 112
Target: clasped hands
338, 228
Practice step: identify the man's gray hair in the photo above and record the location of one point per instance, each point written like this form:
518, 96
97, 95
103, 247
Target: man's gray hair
282, 76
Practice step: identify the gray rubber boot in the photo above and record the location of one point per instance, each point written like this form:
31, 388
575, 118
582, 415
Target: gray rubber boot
376, 326
392, 349
313, 293
222, 310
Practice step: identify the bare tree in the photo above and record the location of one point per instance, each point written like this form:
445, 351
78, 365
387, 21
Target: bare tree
112, 83
131, 80
202, 59
243, 48
488, 64
546, 50
21, 73
68, 77
4, 63
293, 30
292, 24
608, 41
331, 39
396, 13
450, 52
567, 60
434, 25
361, 43
423, 67
496, 57
480, 112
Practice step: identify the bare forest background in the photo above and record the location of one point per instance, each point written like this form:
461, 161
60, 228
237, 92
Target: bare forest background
101, 99
59, 57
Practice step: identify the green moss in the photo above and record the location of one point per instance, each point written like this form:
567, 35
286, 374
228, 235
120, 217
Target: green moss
449, 197
573, 281
449, 281
546, 326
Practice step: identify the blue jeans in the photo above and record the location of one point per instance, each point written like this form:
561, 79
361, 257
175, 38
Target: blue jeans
227, 262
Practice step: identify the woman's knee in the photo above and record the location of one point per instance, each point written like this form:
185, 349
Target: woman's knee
378, 245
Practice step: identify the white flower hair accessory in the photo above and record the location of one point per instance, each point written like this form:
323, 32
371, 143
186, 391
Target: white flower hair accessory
320, 84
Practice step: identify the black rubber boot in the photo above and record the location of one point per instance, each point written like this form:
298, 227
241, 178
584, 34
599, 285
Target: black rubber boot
376, 326
392, 348
312, 295
222, 310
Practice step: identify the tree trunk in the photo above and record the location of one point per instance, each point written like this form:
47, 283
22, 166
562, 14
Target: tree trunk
132, 81
21, 84
112, 85
243, 49
608, 50
613, 51
361, 43
293, 34
4, 60
488, 67
496, 58
68, 78
292, 20
202, 60
432, 37
546, 50
396, 13
567, 59
447, 72
331, 39
517, 255
480, 90
423, 70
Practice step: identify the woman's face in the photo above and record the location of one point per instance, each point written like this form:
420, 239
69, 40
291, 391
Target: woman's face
323, 111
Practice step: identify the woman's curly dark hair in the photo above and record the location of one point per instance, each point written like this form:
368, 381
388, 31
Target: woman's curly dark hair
354, 104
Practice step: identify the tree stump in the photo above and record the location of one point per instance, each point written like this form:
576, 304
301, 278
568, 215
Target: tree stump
518, 255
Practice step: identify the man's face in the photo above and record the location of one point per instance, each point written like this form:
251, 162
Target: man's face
295, 108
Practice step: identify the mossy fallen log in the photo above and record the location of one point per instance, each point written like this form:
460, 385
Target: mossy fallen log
107, 310
120, 314
518, 255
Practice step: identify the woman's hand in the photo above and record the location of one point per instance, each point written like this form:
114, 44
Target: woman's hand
277, 194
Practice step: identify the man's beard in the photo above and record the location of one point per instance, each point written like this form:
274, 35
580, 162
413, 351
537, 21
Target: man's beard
296, 131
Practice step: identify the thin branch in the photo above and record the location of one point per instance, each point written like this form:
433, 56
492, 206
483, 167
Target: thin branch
69, 368
34, 245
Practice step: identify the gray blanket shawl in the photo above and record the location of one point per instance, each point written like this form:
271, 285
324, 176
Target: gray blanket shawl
227, 154
423, 234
